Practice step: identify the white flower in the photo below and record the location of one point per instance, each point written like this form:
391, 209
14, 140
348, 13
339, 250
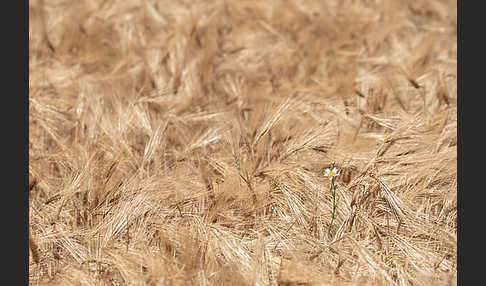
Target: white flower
331, 173
365, 186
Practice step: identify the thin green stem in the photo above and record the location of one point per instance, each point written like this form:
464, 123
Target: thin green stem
334, 205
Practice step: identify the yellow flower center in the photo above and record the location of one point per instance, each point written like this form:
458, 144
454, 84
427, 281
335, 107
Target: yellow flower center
331, 174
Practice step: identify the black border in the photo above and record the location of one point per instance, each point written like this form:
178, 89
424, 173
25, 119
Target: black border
470, 204
14, 25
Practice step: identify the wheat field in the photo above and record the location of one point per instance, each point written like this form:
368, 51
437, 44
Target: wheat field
178, 142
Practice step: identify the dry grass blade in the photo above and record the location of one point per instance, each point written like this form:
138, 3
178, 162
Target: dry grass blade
270, 122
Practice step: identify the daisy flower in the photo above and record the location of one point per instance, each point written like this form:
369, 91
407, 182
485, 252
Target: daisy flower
365, 186
331, 173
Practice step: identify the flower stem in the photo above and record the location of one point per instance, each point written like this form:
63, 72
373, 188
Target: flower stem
334, 205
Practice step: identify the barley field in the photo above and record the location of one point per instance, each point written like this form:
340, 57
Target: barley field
242, 142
